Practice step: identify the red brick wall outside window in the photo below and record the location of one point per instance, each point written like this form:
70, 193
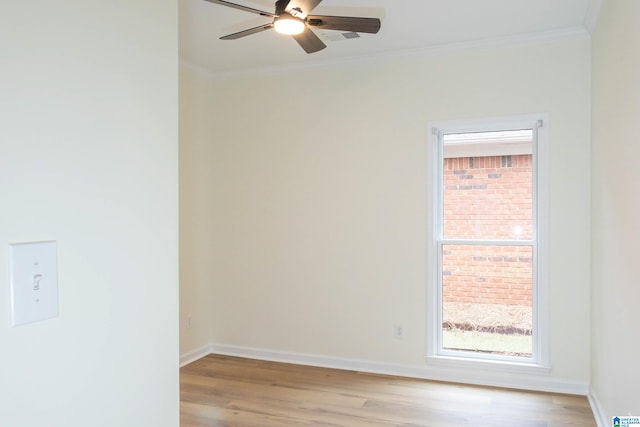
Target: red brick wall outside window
488, 198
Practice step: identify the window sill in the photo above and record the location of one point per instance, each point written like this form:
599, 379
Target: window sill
491, 365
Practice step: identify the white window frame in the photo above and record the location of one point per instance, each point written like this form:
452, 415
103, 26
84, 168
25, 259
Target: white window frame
539, 362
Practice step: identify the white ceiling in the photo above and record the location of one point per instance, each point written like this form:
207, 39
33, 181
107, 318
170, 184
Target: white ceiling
407, 25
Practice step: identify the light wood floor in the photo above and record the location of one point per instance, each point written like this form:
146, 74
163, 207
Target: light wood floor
230, 391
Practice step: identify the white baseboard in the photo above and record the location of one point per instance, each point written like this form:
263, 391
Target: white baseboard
598, 412
194, 355
533, 383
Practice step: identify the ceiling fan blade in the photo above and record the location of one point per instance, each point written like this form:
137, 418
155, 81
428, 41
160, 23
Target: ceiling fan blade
247, 32
245, 8
306, 6
344, 23
309, 41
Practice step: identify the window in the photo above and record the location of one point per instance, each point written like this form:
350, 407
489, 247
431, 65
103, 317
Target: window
488, 248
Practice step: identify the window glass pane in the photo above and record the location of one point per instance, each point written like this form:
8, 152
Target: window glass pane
487, 299
488, 185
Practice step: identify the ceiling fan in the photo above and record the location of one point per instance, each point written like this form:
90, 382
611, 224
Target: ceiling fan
292, 17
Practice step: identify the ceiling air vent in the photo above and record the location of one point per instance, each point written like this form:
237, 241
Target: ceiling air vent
350, 35
335, 36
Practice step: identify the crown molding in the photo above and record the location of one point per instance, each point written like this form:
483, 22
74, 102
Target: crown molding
520, 40
593, 13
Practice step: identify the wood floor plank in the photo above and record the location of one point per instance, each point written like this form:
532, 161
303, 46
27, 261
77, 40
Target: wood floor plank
230, 391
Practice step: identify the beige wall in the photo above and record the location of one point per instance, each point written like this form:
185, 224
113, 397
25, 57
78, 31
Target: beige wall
199, 226
615, 230
306, 193
88, 157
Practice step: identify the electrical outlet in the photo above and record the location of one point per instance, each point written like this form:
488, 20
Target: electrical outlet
398, 331
189, 322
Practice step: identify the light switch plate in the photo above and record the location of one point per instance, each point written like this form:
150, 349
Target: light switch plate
33, 274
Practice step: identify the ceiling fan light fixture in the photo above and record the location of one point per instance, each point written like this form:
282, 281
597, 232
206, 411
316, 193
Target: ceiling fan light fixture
288, 24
